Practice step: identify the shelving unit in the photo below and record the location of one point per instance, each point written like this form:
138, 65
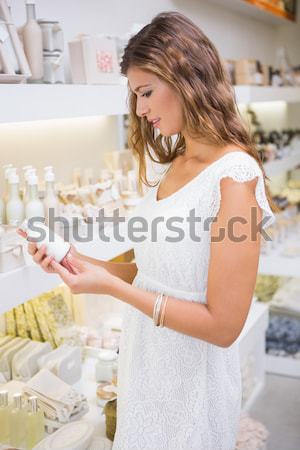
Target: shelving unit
257, 10
278, 265
252, 94
28, 102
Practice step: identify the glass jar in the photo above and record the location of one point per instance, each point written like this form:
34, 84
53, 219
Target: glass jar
106, 366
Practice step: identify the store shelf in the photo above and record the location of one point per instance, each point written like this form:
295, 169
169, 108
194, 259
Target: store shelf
280, 365
22, 284
279, 166
252, 345
252, 94
257, 12
282, 266
27, 102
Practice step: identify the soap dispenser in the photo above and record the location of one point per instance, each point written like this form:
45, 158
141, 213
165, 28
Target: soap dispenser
50, 200
16, 422
4, 417
35, 423
14, 206
34, 207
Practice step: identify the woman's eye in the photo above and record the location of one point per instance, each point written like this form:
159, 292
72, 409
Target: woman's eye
147, 94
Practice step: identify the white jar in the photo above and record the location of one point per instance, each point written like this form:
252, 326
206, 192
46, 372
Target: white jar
53, 39
53, 68
106, 366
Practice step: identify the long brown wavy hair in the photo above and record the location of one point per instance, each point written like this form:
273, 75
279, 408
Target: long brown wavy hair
174, 49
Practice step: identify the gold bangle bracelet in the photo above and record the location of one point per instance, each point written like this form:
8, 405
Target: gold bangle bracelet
162, 318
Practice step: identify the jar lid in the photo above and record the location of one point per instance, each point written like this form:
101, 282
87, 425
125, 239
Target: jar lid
44, 21
107, 355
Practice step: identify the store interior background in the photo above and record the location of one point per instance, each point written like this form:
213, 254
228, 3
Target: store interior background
80, 142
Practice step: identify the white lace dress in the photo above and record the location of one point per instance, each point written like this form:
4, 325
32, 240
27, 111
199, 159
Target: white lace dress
177, 392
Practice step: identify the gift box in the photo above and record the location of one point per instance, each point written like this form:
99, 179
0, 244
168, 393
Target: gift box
94, 60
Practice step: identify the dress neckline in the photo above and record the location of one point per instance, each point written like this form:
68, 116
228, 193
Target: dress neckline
196, 177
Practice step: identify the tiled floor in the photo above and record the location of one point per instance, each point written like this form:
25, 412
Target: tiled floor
278, 408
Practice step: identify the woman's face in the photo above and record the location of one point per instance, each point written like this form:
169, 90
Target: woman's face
156, 101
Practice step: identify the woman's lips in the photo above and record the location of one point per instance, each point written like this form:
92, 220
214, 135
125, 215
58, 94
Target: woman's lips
156, 123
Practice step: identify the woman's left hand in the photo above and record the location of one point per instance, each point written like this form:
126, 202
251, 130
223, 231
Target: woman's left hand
87, 278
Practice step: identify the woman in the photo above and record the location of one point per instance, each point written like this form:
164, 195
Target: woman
179, 383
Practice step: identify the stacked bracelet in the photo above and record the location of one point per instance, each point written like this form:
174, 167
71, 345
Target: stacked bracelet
162, 317
156, 309
159, 310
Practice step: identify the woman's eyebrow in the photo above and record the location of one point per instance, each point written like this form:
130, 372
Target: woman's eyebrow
139, 87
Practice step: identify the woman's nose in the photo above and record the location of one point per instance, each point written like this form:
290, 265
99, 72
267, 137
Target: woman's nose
142, 109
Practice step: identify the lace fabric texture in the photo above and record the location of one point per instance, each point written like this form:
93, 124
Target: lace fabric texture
175, 391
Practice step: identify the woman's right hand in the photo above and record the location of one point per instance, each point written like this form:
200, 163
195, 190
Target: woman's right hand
39, 256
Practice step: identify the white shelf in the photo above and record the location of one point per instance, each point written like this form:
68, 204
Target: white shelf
242, 7
252, 94
22, 284
279, 166
281, 266
283, 366
28, 102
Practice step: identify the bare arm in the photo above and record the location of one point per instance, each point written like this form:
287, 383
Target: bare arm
124, 271
231, 280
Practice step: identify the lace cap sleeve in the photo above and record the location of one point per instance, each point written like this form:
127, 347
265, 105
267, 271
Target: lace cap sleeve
241, 167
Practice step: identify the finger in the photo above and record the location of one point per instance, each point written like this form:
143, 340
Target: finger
77, 265
32, 248
22, 233
45, 264
40, 254
65, 275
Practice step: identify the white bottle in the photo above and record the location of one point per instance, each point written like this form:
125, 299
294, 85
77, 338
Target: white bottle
4, 417
40, 233
27, 171
7, 169
33, 42
14, 207
34, 206
16, 422
50, 200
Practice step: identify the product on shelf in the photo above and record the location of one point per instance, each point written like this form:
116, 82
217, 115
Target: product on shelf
94, 60
266, 286
7, 353
33, 43
34, 423
60, 402
106, 366
286, 298
73, 436
11, 249
15, 212
24, 364
64, 362
34, 206
283, 336
17, 418
17, 56
110, 411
